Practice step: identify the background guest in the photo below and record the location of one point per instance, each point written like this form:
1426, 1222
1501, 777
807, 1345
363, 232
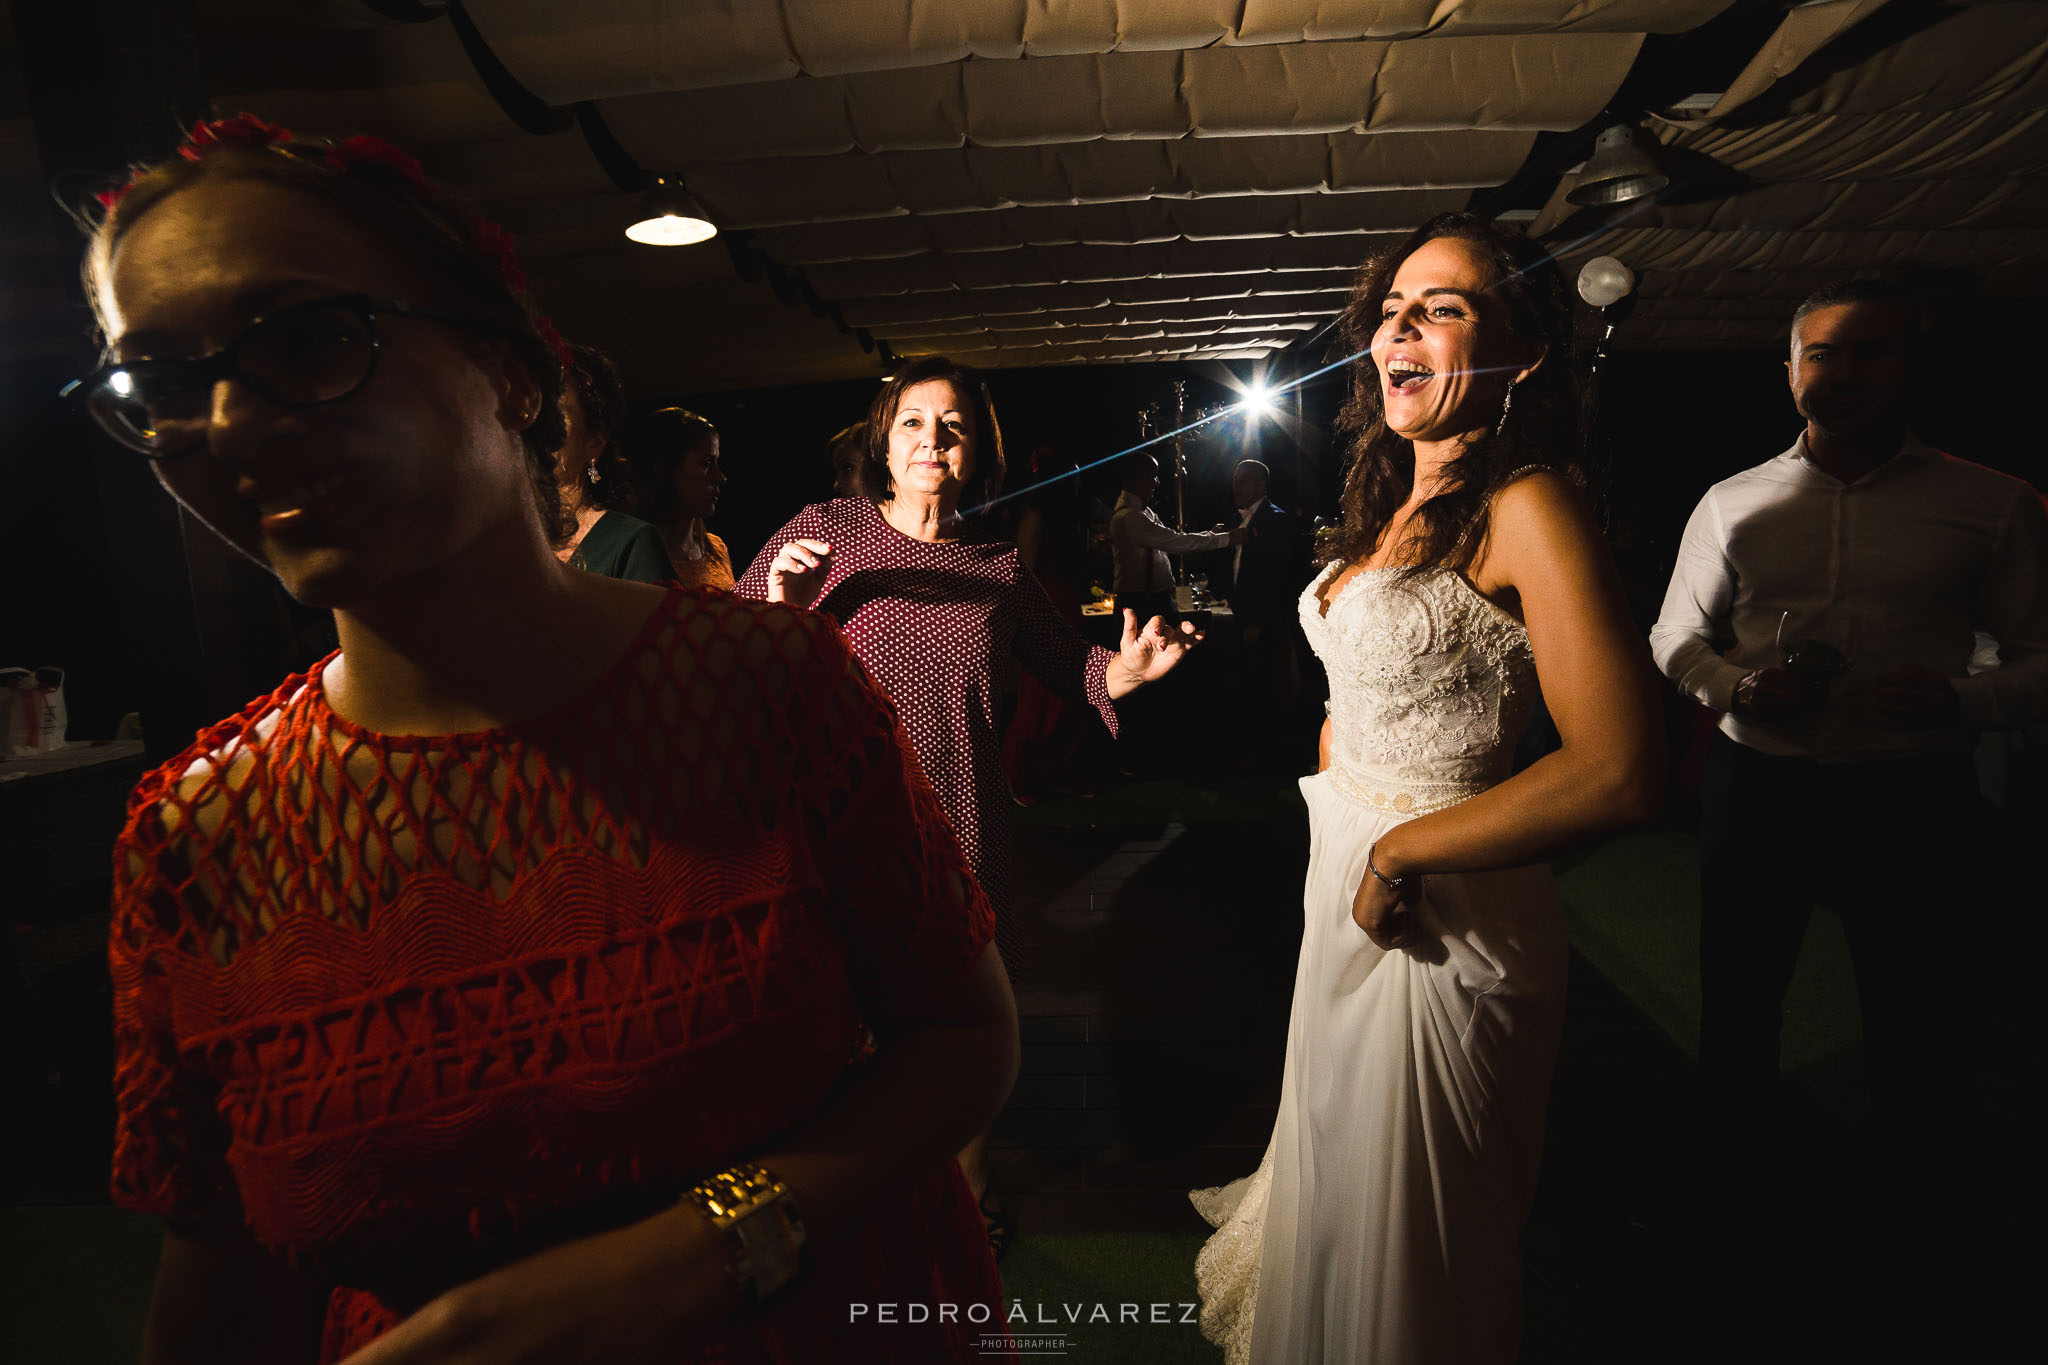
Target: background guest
1144, 575
1266, 569
1266, 575
1851, 573
1145, 585
935, 610
676, 477
846, 453
596, 481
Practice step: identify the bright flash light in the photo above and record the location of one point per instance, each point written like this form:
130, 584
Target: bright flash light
121, 383
671, 229
1258, 400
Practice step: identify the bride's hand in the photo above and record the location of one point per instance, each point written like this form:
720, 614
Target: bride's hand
1387, 915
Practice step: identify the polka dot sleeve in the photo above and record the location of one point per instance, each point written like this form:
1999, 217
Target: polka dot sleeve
912, 914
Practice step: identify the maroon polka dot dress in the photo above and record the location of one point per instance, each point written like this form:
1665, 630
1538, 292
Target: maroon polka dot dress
933, 624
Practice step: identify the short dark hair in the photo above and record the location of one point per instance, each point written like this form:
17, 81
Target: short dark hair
984, 479
1884, 290
1265, 470
1135, 463
653, 450
603, 397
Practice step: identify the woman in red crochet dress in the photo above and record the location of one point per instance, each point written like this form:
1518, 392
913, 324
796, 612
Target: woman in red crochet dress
493, 992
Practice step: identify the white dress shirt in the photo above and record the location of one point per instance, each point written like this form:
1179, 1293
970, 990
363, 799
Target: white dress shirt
1142, 540
1904, 566
1244, 518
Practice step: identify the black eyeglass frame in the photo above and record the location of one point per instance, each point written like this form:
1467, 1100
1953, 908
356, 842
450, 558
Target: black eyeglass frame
208, 370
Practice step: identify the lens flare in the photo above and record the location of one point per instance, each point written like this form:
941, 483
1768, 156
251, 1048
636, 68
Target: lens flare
1271, 394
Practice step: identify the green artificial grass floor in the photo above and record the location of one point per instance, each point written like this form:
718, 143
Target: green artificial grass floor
1100, 1296
1633, 908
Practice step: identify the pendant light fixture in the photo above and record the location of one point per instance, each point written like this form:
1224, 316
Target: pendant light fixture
670, 216
1619, 170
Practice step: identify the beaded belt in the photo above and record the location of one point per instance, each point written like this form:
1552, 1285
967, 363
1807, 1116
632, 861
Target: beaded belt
1381, 789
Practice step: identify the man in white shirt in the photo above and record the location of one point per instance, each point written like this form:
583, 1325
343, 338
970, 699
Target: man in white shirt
1144, 584
1826, 603
1144, 575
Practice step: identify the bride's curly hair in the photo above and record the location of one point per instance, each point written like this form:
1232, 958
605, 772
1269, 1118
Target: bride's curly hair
1543, 427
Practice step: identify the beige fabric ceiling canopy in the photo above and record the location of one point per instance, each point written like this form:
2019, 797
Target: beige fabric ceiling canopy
1929, 154
1028, 182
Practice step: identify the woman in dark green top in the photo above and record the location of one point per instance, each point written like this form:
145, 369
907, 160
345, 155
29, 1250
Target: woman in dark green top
594, 479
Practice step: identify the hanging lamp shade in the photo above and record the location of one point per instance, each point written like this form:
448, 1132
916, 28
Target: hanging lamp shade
1619, 170
670, 216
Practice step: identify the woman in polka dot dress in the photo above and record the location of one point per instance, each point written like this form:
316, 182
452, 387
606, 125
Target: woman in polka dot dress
932, 610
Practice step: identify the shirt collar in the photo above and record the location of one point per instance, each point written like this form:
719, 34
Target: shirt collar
1911, 450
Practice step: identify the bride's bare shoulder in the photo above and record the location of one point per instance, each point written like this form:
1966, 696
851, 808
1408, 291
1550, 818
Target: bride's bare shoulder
1538, 519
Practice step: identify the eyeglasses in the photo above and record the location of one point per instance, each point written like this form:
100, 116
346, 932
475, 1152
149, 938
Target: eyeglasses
303, 356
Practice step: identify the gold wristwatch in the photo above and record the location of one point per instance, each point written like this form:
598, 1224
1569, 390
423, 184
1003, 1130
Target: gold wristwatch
758, 1218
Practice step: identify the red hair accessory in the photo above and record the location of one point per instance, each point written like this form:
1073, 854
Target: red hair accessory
491, 242
243, 130
207, 136
545, 325
363, 149
495, 245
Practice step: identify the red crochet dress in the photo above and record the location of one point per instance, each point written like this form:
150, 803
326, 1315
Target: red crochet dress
936, 623
414, 1007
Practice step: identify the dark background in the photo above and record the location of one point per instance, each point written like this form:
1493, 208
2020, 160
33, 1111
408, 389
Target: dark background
98, 579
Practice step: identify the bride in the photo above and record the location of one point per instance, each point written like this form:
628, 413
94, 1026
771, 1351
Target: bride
1381, 1227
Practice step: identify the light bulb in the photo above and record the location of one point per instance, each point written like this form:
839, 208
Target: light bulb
671, 229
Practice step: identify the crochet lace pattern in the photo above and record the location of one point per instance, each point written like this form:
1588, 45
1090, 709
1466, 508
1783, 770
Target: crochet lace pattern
410, 1007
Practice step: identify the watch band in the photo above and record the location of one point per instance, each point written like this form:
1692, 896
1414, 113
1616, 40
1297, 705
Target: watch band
757, 1215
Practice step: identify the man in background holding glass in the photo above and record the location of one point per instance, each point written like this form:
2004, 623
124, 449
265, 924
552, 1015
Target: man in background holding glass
1827, 603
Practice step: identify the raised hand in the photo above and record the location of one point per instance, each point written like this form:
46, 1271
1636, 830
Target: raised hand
797, 574
1150, 654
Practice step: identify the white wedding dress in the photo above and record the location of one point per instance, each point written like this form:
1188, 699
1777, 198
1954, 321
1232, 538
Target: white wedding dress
1381, 1227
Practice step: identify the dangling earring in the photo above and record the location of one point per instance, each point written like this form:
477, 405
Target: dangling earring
1505, 404
590, 471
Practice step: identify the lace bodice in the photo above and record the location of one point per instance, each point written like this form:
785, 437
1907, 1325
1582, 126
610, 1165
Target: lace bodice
1430, 683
